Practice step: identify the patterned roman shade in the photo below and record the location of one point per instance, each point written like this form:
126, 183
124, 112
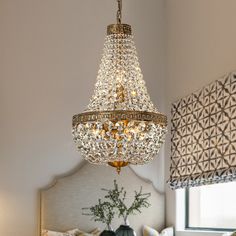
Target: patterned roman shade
203, 143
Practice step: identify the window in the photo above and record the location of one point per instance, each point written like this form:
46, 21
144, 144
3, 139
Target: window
211, 207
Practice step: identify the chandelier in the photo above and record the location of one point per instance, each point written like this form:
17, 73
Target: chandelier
120, 126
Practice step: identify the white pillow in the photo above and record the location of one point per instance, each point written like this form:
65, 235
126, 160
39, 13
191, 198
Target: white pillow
148, 231
73, 232
167, 231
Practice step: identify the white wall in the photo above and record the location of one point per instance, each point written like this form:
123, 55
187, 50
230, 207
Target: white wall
201, 47
49, 56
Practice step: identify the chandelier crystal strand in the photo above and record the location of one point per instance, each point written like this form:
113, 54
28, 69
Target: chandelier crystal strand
120, 126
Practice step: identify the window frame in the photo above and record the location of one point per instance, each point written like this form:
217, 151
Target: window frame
187, 227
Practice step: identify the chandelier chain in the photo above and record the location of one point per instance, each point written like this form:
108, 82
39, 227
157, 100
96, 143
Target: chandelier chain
119, 12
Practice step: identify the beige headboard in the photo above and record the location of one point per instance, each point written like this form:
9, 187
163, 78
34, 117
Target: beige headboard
62, 202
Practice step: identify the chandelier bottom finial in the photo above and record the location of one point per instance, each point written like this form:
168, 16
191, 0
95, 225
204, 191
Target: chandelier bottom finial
118, 165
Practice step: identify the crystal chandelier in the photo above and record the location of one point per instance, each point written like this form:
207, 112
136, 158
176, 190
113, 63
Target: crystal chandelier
120, 126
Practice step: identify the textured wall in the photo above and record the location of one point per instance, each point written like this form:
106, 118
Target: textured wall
201, 47
49, 57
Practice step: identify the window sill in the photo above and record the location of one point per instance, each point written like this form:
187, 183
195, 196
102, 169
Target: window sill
199, 233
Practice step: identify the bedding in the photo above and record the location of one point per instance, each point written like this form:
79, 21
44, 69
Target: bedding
73, 232
95, 232
54, 233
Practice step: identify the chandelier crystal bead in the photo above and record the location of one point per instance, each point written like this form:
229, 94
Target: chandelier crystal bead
121, 125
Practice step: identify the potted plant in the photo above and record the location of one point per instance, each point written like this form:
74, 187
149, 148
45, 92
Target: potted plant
117, 197
102, 212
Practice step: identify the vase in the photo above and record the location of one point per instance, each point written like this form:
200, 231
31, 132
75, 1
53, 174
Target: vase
108, 232
125, 229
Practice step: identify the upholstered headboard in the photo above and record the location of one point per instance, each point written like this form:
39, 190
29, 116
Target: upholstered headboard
62, 201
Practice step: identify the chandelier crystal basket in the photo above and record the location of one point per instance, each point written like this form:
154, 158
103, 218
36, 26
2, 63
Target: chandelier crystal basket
120, 126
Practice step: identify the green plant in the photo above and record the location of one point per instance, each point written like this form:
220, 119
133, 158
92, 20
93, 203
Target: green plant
115, 202
102, 212
117, 197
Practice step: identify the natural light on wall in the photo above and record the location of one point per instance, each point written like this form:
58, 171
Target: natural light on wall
2, 212
213, 206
